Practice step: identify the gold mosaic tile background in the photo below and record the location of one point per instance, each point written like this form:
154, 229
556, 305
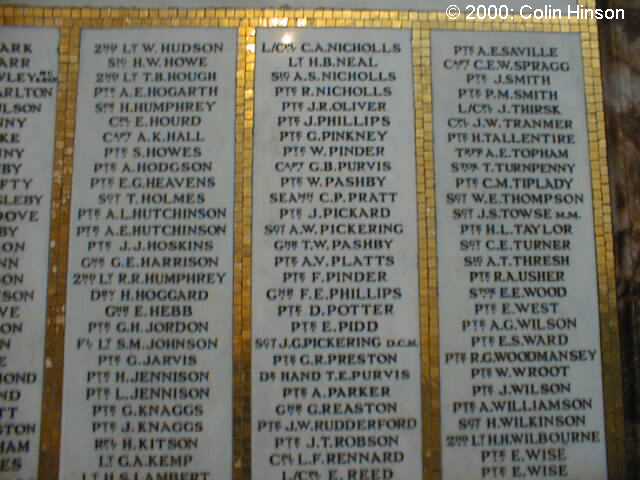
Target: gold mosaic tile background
70, 21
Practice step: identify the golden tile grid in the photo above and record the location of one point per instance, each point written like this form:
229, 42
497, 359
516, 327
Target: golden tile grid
71, 20
609, 328
246, 72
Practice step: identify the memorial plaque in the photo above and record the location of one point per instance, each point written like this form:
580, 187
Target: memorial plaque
148, 354
28, 89
336, 355
425, 286
521, 377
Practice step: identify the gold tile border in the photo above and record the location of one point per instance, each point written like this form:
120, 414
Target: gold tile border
609, 326
430, 338
70, 21
245, 106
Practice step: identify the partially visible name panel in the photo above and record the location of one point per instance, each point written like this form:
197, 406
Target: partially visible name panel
521, 377
148, 352
28, 90
335, 324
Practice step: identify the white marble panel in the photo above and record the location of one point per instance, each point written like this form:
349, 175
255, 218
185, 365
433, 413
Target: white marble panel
28, 91
148, 354
336, 353
521, 374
